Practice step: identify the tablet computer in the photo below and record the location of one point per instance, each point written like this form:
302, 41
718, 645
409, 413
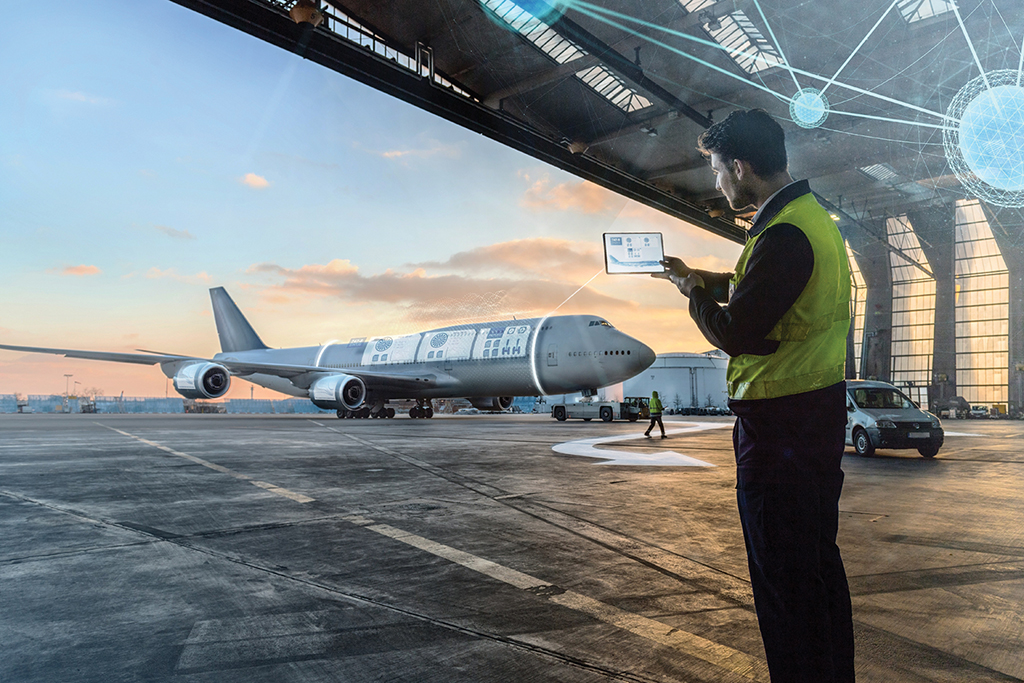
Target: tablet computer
633, 252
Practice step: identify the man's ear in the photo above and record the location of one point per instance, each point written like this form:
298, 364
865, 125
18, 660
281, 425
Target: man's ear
742, 169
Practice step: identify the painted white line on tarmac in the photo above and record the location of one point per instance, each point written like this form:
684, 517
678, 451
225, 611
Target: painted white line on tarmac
691, 644
277, 490
966, 434
585, 447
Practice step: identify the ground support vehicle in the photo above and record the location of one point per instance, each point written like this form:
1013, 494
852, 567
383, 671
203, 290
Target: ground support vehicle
588, 410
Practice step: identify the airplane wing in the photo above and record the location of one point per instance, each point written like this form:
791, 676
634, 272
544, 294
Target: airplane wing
380, 380
141, 358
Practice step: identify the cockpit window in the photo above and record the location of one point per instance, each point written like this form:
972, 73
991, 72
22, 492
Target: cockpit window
601, 322
881, 398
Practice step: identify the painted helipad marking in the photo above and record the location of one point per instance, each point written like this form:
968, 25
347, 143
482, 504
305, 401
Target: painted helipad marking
585, 447
297, 497
691, 644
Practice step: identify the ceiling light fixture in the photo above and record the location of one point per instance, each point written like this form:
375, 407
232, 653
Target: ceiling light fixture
306, 12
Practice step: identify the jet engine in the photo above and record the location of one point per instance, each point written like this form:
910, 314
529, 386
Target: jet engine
338, 391
492, 403
202, 380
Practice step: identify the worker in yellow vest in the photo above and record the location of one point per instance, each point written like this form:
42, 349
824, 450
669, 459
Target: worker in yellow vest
784, 326
655, 409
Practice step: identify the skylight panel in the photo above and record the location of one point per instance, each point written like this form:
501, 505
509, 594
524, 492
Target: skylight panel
534, 30
696, 5
744, 43
917, 10
883, 172
612, 88
599, 78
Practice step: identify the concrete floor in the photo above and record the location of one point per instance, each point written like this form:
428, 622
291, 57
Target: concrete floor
283, 548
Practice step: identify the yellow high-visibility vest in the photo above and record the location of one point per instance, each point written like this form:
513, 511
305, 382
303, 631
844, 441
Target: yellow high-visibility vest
812, 333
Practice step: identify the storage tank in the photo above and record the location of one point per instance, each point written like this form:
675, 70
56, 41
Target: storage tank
683, 380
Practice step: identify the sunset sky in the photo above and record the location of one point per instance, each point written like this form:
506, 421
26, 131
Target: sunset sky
148, 153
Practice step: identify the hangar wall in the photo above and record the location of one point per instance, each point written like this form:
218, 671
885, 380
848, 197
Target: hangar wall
966, 335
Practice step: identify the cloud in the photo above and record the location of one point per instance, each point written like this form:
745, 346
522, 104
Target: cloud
434, 149
583, 196
526, 278
81, 270
175, 233
79, 96
255, 181
155, 273
557, 259
443, 298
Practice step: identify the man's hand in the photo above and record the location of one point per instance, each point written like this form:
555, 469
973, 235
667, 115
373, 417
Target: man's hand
680, 275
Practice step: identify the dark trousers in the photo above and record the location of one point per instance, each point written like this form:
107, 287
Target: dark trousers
788, 488
656, 420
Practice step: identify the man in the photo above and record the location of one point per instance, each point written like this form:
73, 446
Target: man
654, 409
784, 328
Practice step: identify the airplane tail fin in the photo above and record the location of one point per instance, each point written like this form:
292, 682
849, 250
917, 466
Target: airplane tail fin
235, 332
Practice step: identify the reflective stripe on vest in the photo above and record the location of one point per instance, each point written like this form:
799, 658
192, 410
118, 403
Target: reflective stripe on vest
812, 333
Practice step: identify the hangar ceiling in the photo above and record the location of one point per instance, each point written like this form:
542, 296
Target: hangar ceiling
617, 91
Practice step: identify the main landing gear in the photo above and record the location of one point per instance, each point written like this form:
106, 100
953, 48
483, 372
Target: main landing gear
377, 410
422, 409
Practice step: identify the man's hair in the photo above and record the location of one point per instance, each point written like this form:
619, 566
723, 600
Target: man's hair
752, 136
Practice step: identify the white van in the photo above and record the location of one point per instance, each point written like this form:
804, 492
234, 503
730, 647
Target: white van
880, 416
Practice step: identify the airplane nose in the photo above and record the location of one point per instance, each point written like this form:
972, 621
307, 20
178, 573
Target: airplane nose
645, 356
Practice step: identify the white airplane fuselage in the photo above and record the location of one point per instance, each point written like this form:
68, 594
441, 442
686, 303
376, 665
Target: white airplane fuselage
536, 356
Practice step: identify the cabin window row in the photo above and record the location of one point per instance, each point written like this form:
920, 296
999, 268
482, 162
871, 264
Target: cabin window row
599, 353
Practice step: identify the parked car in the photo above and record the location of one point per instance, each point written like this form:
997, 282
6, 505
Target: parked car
880, 416
979, 411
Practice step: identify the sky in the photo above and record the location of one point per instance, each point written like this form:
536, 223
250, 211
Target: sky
148, 153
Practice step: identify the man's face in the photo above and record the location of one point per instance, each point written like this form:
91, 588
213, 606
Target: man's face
730, 183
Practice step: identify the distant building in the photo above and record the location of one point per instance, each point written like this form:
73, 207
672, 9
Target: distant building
683, 380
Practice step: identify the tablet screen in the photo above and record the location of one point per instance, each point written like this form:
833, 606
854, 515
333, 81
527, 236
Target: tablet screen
633, 252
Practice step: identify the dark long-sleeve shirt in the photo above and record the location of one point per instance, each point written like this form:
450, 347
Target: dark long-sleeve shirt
777, 271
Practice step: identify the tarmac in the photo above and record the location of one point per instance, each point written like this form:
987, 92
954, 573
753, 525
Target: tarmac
472, 549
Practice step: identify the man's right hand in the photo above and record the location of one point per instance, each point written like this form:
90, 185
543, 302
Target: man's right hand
673, 266
680, 275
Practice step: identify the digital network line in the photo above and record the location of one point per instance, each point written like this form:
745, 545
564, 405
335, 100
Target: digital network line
778, 45
1020, 64
856, 49
605, 15
977, 60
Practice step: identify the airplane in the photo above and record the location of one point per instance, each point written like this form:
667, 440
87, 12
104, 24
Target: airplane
487, 363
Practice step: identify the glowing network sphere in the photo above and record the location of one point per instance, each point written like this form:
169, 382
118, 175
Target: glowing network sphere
992, 137
985, 145
808, 108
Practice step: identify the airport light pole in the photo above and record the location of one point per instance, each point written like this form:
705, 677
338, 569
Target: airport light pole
67, 377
